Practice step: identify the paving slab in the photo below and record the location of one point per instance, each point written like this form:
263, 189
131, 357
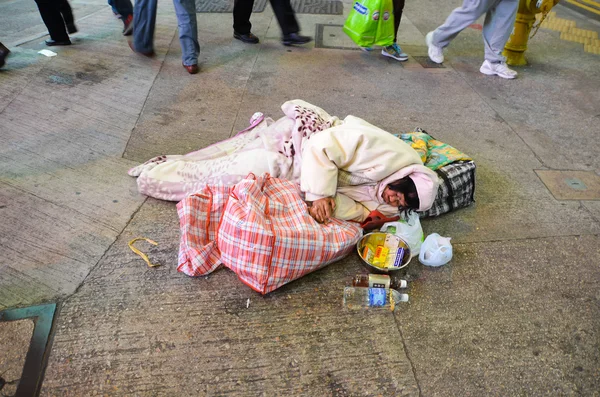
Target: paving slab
512, 202
334, 36
474, 326
15, 75
481, 325
15, 337
553, 101
21, 20
186, 112
159, 332
511, 199
507, 318
593, 207
572, 185
65, 124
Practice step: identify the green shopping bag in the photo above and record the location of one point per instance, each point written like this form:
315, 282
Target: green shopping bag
371, 22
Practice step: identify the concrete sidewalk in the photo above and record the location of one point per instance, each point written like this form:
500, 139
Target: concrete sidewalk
516, 312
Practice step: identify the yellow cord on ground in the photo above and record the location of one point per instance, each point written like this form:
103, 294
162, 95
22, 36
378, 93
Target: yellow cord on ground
140, 253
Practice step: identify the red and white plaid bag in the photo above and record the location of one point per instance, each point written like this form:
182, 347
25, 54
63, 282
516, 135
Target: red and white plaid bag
268, 238
265, 235
199, 216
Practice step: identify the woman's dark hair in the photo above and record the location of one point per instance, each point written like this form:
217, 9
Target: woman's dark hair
407, 187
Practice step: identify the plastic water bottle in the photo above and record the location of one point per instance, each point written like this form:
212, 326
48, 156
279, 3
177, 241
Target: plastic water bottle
378, 281
361, 297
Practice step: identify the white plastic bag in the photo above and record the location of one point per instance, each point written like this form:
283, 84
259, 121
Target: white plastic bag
436, 250
409, 229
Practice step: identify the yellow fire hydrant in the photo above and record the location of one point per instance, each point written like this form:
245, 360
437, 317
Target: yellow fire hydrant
514, 50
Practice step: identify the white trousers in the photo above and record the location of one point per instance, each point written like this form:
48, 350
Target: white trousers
499, 21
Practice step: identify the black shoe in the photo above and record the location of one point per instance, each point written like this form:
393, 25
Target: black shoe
51, 42
3, 54
295, 38
71, 29
246, 38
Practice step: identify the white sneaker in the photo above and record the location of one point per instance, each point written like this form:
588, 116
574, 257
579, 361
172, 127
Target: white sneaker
497, 69
436, 54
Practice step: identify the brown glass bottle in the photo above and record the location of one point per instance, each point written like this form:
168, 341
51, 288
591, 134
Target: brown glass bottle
377, 281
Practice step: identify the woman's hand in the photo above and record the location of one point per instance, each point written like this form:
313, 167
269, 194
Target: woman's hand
322, 209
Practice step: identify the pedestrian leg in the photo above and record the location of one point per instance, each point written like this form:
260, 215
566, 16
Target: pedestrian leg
242, 9
50, 12
286, 17
398, 8
497, 27
188, 31
3, 54
122, 7
394, 50
459, 19
124, 10
112, 5
144, 16
67, 15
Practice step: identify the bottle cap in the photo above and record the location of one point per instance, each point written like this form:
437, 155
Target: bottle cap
402, 284
403, 298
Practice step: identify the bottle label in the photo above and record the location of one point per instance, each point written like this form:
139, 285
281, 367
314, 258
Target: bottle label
377, 296
399, 256
379, 281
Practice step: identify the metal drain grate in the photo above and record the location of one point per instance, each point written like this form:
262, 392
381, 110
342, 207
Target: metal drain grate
37, 354
571, 185
332, 37
318, 7
300, 6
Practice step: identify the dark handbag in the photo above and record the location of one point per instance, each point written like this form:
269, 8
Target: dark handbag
457, 188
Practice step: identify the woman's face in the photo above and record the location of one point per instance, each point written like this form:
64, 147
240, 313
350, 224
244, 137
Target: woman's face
393, 198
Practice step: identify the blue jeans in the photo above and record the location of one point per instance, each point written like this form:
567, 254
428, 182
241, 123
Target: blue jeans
188, 30
121, 7
144, 20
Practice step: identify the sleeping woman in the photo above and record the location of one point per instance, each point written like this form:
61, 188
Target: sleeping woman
344, 168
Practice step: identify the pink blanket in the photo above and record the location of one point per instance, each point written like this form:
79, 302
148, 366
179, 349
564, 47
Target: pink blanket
265, 146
